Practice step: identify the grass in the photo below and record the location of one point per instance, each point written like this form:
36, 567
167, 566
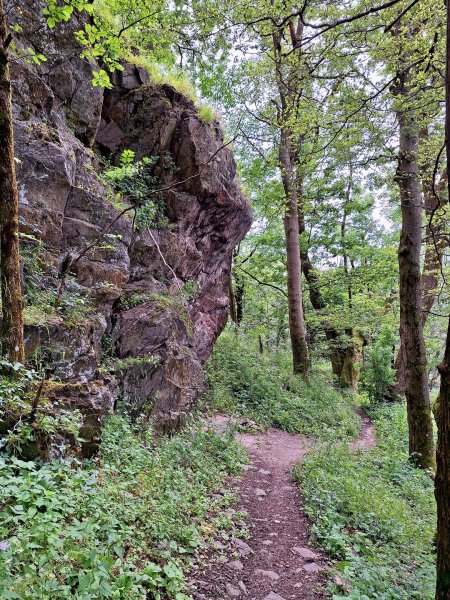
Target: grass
178, 80
374, 513
262, 387
123, 526
207, 114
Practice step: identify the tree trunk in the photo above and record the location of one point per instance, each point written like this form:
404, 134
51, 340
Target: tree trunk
398, 389
232, 302
12, 304
300, 354
442, 480
435, 241
421, 444
261, 344
287, 83
353, 354
239, 297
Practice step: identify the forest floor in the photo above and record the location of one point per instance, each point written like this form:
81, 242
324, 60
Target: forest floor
276, 563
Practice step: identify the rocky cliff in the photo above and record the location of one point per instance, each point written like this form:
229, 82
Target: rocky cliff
140, 308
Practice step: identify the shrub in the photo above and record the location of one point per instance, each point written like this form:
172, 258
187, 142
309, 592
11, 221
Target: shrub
133, 182
378, 374
207, 114
28, 421
262, 387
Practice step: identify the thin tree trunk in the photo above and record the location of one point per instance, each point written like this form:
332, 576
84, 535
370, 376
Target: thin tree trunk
261, 344
343, 241
12, 303
353, 353
398, 388
435, 240
232, 300
421, 444
442, 480
288, 91
239, 290
300, 354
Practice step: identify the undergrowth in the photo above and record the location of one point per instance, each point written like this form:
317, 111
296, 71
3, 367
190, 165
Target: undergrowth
374, 512
263, 388
123, 526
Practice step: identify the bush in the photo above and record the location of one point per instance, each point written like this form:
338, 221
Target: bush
375, 513
378, 374
132, 182
120, 527
262, 387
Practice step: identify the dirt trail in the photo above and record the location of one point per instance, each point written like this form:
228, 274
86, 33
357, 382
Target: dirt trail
366, 438
276, 563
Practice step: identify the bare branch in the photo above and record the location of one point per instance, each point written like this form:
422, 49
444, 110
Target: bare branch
275, 287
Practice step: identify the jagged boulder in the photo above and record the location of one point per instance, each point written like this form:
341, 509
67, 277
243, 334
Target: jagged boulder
146, 304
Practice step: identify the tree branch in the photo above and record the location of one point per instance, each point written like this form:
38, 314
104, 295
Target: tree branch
275, 287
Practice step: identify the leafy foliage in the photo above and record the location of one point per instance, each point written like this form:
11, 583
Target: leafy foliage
378, 374
262, 387
123, 526
374, 512
28, 421
133, 182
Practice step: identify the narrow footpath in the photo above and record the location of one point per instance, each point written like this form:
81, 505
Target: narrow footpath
277, 562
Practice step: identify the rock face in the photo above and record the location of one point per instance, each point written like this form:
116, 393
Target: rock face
143, 307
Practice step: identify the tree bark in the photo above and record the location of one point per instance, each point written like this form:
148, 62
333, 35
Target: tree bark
398, 388
421, 444
435, 242
232, 302
239, 297
261, 344
442, 480
300, 354
287, 83
12, 303
237, 289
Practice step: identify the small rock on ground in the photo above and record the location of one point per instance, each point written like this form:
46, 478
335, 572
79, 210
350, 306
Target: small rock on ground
232, 591
236, 565
243, 548
273, 596
270, 574
305, 553
311, 567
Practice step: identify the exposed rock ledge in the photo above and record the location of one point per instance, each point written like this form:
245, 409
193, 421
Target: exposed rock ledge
181, 274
